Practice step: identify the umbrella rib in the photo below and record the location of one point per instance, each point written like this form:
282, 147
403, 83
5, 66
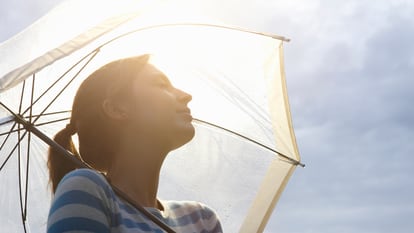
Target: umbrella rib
8, 135
12, 151
19, 161
6, 122
29, 136
290, 160
39, 124
64, 88
20, 139
60, 78
48, 114
21, 97
19, 168
34, 115
51, 122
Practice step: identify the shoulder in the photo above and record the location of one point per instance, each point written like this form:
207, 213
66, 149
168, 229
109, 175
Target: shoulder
84, 175
83, 179
83, 187
196, 213
190, 207
82, 201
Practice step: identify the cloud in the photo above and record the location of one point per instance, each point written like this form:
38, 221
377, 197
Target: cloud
350, 79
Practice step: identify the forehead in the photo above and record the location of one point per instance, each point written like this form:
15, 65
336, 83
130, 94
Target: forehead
150, 73
151, 69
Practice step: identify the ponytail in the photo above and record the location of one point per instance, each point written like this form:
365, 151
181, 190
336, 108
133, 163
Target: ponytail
59, 165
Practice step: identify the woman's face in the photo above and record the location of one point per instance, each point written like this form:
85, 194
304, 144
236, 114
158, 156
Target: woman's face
159, 110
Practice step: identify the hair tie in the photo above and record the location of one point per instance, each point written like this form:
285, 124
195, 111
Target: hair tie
70, 129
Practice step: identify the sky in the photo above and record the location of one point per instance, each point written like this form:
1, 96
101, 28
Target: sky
349, 68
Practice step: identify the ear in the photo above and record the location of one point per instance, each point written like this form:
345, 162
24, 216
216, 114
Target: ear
115, 110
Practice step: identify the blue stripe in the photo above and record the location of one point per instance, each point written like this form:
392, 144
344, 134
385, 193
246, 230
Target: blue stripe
174, 206
77, 197
216, 229
128, 223
127, 208
78, 224
184, 220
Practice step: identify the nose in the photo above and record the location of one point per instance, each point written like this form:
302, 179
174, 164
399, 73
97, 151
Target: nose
183, 96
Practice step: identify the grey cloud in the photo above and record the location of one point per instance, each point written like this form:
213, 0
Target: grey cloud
352, 108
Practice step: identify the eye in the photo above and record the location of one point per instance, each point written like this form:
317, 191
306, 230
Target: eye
163, 82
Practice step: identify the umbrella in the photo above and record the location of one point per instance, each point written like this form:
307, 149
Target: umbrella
244, 150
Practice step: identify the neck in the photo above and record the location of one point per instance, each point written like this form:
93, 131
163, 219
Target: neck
136, 172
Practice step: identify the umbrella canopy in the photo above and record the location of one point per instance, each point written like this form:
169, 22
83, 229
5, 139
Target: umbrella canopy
244, 150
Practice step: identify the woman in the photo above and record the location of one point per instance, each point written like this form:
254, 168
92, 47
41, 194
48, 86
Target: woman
128, 117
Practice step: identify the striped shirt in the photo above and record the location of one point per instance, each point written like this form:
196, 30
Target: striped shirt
85, 202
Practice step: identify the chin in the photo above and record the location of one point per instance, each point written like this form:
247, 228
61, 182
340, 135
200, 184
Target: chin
183, 136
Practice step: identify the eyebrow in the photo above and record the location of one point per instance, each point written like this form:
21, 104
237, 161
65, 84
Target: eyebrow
163, 77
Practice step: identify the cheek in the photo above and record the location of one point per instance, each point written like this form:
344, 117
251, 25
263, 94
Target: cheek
153, 111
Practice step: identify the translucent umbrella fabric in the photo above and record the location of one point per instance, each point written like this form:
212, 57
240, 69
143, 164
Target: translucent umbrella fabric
237, 82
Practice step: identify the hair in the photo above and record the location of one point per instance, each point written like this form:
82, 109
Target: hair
98, 135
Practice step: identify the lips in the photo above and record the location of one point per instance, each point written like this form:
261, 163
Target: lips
185, 111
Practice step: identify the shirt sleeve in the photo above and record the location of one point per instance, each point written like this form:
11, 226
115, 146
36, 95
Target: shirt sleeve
81, 203
211, 219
